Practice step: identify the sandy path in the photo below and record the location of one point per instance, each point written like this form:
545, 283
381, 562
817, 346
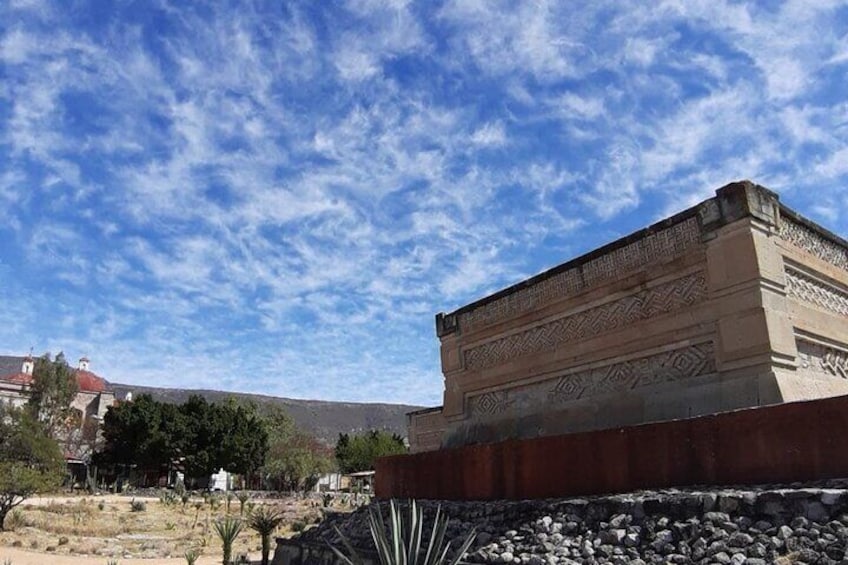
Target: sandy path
21, 557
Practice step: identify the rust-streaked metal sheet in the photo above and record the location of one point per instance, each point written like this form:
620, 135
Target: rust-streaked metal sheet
798, 441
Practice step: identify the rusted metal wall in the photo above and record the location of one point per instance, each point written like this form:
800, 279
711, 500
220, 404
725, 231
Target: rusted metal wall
798, 441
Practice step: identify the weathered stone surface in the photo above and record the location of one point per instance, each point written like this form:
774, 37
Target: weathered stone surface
593, 531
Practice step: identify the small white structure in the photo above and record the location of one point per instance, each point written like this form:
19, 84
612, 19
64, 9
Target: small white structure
221, 480
331, 482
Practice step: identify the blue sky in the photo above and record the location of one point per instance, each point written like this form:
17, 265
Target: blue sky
278, 197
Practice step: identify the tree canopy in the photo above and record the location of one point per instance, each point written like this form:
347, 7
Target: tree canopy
54, 386
200, 436
360, 452
31, 461
295, 460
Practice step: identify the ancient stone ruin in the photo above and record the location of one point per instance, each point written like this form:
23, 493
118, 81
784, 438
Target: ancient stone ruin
737, 302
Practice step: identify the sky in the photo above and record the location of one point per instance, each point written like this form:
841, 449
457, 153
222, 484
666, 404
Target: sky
278, 197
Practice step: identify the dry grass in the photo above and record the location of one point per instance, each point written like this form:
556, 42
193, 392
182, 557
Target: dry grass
107, 526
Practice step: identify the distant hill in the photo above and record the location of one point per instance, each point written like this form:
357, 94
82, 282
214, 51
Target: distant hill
323, 419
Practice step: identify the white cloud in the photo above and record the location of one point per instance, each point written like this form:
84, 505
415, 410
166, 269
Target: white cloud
491, 134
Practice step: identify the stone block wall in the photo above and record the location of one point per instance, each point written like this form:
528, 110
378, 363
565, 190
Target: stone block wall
736, 302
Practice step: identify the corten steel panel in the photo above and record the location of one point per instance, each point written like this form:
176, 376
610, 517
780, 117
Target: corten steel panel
785, 443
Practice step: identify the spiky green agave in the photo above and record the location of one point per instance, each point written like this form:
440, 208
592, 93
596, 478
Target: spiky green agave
401, 543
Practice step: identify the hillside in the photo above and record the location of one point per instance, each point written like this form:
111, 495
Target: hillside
324, 419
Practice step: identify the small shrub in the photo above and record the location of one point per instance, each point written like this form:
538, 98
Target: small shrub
138, 505
15, 520
298, 526
101, 505
191, 556
228, 529
17, 543
264, 521
33, 544
50, 548
243, 497
403, 542
63, 540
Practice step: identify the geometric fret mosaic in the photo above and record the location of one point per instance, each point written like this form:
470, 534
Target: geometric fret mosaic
822, 359
675, 365
806, 288
814, 243
661, 245
668, 297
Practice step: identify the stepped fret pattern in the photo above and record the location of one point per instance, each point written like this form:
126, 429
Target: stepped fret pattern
616, 378
661, 245
814, 243
822, 359
668, 297
821, 294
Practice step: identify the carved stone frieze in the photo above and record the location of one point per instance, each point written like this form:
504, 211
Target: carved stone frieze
821, 294
678, 364
661, 245
645, 304
814, 243
822, 359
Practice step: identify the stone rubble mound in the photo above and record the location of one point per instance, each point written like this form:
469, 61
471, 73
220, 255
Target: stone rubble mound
739, 526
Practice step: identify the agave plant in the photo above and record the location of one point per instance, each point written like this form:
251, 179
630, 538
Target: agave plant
228, 529
265, 520
401, 544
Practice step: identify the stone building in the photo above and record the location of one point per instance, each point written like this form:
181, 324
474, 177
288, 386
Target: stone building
736, 302
92, 400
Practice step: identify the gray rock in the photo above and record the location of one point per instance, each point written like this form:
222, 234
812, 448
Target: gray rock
738, 559
739, 539
631, 539
506, 557
755, 561
784, 532
815, 511
620, 521
721, 557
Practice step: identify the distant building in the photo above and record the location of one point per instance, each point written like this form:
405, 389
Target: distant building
91, 402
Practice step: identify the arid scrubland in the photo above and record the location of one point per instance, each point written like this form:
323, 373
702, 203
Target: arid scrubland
124, 527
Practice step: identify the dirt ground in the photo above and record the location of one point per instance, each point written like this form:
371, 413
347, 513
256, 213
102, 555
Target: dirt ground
92, 530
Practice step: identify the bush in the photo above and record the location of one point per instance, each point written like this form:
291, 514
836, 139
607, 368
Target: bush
15, 520
298, 526
402, 543
138, 505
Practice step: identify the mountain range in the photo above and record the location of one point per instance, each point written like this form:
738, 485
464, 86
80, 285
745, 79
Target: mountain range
323, 419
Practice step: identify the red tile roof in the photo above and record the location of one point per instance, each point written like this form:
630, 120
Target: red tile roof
89, 382
17, 378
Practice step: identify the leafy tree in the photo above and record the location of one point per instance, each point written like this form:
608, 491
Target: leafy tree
295, 460
54, 386
143, 432
30, 460
360, 452
246, 441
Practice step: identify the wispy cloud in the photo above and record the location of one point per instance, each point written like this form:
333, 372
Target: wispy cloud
278, 198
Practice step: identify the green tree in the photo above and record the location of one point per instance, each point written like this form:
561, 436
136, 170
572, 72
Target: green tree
31, 461
360, 452
295, 460
246, 441
54, 386
143, 432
